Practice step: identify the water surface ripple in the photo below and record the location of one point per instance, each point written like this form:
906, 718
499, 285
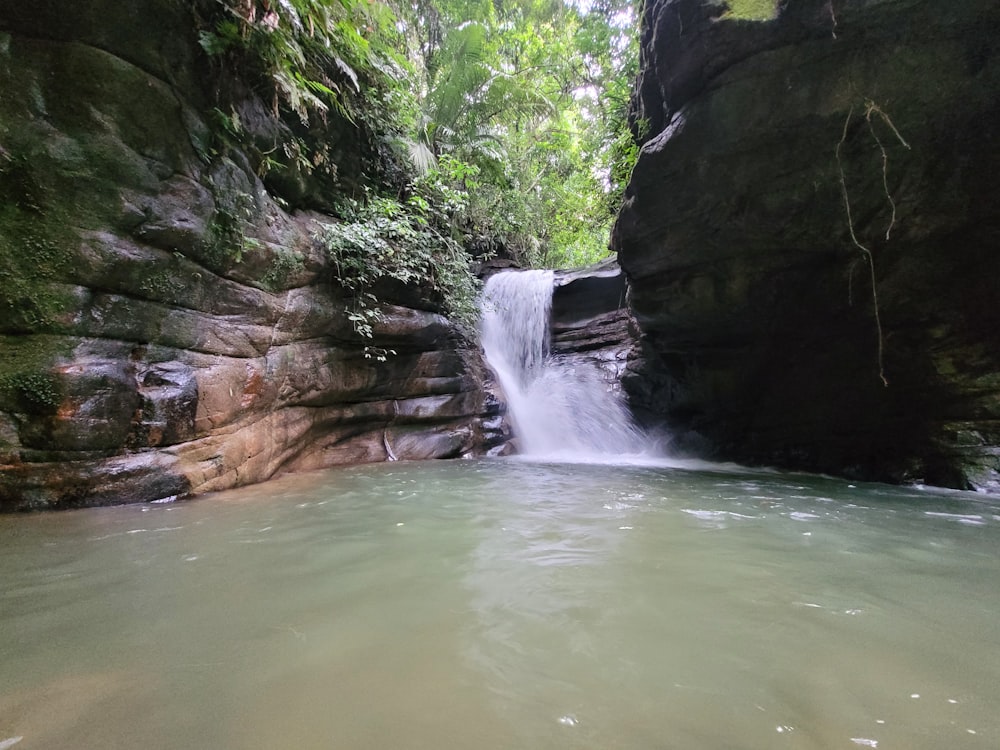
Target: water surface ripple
507, 604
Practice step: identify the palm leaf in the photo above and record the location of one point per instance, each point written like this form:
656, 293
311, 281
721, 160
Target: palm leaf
464, 71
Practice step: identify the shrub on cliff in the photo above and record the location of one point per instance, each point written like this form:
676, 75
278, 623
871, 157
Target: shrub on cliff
413, 242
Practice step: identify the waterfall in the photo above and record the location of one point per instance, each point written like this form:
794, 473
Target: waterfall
556, 410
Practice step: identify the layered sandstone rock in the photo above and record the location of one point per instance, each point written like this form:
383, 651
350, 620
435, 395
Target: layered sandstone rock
764, 338
167, 324
591, 324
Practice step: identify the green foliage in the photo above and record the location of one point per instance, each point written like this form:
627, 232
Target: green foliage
532, 95
34, 251
535, 96
284, 265
310, 58
752, 10
311, 51
226, 240
30, 263
38, 389
409, 243
162, 285
26, 378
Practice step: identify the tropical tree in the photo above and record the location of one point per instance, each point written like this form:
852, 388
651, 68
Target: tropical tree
533, 95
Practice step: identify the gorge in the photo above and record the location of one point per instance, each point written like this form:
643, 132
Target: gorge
225, 279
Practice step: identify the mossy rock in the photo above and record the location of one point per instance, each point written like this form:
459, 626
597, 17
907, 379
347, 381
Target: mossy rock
28, 382
35, 253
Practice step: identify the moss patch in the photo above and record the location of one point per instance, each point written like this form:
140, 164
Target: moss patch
227, 239
752, 10
34, 252
27, 381
285, 265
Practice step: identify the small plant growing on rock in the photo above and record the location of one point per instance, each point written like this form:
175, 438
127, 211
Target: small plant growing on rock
34, 249
227, 240
38, 389
284, 265
403, 242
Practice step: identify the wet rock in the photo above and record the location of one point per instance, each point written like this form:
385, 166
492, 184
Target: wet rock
176, 218
172, 327
420, 443
762, 334
37, 485
169, 393
591, 322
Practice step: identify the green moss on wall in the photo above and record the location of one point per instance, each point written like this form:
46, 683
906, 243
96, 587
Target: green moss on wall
752, 10
27, 380
34, 251
284, 265
227, 240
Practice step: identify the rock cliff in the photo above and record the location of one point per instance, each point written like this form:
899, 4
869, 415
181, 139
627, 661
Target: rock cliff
168, 324
591, 324
810, 236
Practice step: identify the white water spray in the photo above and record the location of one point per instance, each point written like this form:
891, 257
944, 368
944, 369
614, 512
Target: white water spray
557, 410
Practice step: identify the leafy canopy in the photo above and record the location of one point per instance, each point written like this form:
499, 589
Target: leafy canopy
535, 95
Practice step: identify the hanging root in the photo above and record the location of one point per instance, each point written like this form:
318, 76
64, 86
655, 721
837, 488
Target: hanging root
864, 250
870, 109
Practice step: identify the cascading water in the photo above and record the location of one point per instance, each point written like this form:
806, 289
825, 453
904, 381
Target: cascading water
556, 410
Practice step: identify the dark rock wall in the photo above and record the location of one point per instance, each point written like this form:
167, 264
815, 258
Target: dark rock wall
591, 323
763, 338
167, 324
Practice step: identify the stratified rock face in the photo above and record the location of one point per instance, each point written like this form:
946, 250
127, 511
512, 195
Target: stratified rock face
165, 326
591, 324
752, 277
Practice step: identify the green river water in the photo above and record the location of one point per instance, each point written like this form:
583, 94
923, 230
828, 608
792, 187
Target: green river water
496, 604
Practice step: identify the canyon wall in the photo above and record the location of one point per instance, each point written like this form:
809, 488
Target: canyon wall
168, 323
591, 324
810, 235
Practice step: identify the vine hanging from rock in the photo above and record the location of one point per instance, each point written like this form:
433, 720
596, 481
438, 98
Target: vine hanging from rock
871, 109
